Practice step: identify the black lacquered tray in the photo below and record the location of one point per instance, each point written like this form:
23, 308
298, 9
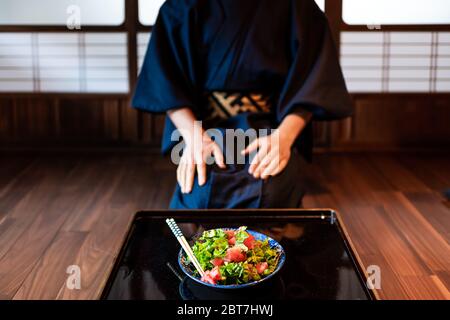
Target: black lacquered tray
319, 264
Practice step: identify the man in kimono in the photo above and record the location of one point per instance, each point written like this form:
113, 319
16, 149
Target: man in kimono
236, 64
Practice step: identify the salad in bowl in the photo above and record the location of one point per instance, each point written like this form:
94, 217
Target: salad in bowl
234, 258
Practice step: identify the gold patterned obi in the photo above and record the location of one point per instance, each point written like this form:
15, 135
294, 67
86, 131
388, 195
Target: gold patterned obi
224, 105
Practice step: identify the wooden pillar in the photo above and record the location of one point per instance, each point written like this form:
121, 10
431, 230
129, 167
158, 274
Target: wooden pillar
130, 118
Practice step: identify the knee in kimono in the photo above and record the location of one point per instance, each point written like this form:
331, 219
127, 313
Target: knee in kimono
286, 190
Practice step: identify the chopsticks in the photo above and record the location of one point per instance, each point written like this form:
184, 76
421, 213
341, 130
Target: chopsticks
185, 245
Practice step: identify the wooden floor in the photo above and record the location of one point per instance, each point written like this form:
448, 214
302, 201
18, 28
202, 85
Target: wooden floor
57, 211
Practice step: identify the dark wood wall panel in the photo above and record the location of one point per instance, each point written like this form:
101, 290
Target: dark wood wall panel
398, 121
28, 121
379, 122
6, 119
81, 120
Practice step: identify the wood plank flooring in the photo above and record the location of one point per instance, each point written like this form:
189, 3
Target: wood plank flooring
57, 211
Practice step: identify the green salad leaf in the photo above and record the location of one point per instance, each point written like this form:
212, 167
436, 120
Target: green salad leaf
241, 235
238, 258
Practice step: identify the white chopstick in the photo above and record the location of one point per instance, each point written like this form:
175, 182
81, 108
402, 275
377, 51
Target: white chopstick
185, 245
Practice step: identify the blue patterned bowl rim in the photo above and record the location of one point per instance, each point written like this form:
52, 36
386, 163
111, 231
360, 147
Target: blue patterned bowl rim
258, 236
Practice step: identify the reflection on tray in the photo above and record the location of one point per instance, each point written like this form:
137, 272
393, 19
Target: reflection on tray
272, 290
318, 264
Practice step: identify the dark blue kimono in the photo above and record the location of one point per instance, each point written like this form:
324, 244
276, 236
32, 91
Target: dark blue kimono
283, 47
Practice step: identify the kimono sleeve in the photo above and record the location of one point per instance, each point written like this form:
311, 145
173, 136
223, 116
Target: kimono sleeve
167, 78
314, 81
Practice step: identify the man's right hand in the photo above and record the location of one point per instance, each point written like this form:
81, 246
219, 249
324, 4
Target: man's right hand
198, 148
194, 159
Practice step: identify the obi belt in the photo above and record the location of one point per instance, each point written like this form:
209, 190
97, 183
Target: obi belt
234, 187
224, 105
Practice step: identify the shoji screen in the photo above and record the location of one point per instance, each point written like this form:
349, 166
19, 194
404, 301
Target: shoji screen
396, 61
395, 12
409, 61
57, 12
63, 62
